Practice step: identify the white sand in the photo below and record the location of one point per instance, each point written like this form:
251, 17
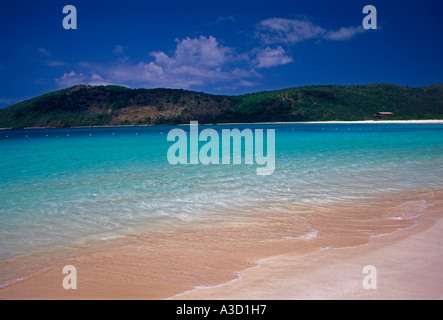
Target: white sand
409, 265
332, 122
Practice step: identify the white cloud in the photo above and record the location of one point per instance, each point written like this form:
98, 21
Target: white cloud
97, 80
291, 31
195, 62
70, 79
203, 61
73, 78
269, 57
202, 52
344, 33
281, 30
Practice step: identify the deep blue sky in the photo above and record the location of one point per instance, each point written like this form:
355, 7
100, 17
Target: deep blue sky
221, 47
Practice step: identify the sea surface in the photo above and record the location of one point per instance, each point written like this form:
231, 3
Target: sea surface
59, 187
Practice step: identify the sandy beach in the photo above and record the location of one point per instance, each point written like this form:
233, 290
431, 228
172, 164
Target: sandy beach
430, 121
245, 259
408, 266
383, 121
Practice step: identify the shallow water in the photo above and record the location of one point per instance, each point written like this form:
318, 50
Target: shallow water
61, 187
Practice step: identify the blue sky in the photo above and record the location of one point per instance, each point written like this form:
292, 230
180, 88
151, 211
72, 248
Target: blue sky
220, 47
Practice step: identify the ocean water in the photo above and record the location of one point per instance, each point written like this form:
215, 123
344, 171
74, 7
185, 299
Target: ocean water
59, 187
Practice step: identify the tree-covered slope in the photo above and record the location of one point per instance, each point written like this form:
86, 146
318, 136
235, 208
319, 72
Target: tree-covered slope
113, 105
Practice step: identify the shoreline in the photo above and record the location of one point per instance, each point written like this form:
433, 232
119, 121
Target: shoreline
407, 262
209, 262
430, 121
436, 121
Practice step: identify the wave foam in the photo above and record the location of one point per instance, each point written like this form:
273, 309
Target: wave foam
309, 236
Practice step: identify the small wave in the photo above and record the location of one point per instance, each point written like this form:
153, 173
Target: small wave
411, 209
239, 275
309, 236
8, 283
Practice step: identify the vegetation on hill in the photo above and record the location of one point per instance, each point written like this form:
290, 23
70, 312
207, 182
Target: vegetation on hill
114, 105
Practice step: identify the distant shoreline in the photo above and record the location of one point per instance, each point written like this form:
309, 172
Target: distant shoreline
438, 121
431, 121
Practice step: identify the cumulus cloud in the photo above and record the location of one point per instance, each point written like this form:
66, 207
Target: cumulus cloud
195, 62
204, 52
204, 61
72, 78
268, 57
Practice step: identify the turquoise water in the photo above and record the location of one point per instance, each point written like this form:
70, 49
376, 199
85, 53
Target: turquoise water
63, 186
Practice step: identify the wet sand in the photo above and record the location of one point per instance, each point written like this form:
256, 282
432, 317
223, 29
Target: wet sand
317, 253
408, 266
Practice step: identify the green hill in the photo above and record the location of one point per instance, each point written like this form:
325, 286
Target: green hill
113, 105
